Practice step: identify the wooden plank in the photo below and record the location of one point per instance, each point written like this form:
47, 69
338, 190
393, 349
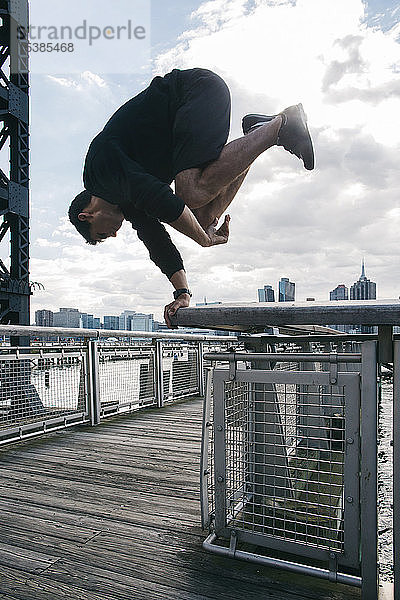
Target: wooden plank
41, 587
121, 437
146, 562
120, 585
67, 531
145, 472
106, 523
118, 478
137, 511
117, 456
70, 465
119, 464
93, 490
27, 560
243, 317
144, 557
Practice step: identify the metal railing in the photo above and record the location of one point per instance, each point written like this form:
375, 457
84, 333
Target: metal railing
289, 462
48, 387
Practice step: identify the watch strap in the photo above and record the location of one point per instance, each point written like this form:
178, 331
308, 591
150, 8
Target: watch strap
177, 293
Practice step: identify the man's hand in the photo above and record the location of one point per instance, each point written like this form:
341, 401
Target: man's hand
170, 309
221, 235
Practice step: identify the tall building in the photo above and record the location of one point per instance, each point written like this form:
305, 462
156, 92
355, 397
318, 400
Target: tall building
142, 322
286, 290
86, 321
363, 289
44, 318
125, 320
266, 294
340, 292
111, 322
67, 317
130, 320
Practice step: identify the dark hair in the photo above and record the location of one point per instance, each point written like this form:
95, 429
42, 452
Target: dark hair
78, 204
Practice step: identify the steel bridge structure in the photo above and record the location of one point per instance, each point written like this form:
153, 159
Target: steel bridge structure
14, 173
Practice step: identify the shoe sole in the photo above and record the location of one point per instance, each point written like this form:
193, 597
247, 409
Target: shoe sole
303, 118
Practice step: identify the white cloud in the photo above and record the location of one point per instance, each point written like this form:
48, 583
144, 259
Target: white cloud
78, 82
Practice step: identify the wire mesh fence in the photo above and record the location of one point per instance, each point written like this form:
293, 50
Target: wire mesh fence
48, 386
41, 387
51, 385
283, 469
126, 376
180, 366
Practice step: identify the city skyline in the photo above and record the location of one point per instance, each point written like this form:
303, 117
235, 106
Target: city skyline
341, 292
128, 320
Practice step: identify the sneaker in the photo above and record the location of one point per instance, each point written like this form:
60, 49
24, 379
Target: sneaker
293, 134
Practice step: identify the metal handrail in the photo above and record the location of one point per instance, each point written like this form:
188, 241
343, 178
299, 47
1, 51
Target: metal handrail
283, 357
26, 330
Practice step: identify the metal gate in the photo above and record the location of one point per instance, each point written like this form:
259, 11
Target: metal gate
287, 462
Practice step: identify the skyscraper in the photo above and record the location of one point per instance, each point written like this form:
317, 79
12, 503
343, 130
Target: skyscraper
286, 290
142, 322
340, 292
364, 288
67, 317
44, 318
130, 320
125, 320
86, 321
111, 322
266, 294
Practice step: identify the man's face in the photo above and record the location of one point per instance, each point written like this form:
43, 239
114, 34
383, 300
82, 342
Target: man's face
104, 225
104, 219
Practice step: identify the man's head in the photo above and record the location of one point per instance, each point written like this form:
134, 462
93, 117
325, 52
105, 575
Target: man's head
95, 218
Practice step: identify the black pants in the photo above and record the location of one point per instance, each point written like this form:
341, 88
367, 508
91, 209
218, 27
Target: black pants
201, 124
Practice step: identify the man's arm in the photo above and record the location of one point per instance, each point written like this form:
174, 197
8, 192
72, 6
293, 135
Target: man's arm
189, 226
165, 255
179, 282
162, 250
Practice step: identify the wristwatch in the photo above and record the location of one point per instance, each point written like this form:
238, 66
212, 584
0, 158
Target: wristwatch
177, 293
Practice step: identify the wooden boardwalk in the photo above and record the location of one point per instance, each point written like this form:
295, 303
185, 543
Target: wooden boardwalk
112, 512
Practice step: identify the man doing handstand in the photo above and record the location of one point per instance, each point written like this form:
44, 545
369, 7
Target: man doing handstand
176, 130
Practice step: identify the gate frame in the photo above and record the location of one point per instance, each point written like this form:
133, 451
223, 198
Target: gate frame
351, 383
368, 565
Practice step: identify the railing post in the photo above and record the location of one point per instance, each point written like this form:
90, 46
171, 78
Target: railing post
205, 474
200, 367
159, 373
369, 467
93, 382
396, 469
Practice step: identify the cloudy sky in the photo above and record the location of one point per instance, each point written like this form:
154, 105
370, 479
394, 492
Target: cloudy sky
340, 58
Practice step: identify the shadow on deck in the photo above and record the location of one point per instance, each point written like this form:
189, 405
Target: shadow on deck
113, 512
